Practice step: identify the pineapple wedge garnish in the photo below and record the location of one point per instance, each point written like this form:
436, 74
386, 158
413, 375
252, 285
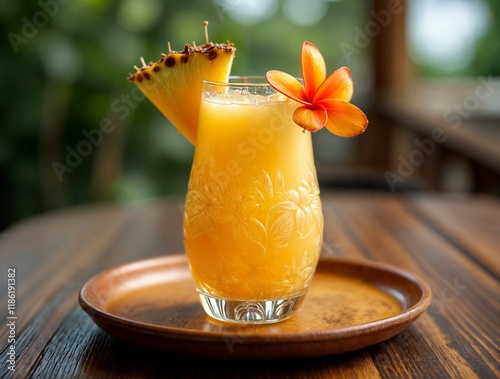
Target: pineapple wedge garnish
174, 83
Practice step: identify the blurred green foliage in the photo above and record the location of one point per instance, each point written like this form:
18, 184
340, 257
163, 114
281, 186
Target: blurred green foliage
64, 65
483, 52
487, 58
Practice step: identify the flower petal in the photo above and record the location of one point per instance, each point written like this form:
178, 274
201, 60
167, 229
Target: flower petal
344, 119
309, 118
313, 69
337, 86
287, 85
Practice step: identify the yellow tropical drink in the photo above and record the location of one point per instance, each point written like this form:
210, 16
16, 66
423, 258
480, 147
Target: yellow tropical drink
252, 221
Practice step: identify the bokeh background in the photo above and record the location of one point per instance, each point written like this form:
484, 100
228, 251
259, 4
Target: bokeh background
64, 65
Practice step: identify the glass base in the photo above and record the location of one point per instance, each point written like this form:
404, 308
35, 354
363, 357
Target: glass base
250, 311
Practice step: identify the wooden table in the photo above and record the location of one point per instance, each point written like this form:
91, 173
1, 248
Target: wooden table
453, 243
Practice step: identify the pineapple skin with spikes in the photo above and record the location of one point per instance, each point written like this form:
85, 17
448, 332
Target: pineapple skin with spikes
174, 83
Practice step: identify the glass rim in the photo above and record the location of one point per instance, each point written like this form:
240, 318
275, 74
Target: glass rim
243, 81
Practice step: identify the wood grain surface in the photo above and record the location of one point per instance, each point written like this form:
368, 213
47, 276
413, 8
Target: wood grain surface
452, 243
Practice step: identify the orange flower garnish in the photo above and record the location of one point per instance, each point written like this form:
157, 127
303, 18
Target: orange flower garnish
325, 101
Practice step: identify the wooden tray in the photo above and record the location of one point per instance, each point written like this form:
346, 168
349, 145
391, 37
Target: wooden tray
350, 305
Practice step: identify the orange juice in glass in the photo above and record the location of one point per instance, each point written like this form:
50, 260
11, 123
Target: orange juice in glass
253, 222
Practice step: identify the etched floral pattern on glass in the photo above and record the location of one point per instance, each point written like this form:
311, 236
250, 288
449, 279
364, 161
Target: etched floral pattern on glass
272, 223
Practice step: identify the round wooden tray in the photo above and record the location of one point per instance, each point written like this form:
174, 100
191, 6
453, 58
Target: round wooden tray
153, 303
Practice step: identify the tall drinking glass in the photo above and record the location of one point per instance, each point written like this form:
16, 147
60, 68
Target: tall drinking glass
253, 222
